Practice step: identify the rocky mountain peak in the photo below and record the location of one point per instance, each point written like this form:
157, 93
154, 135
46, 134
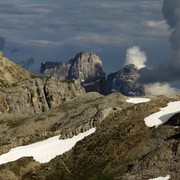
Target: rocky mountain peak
11, 73
130, 68
1, 54
125, 81
85, 67
24, 93
87, 57
129, 73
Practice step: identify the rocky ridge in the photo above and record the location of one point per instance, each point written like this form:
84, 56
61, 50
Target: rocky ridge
25, 93
85, 67
121, 136
122, 147
125, 81
71, 118
37, 95
10, 73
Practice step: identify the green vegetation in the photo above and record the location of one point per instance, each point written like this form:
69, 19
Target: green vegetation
37, 76
14, 84
2, 84
3, 143
96, 105
16, 123
38, 119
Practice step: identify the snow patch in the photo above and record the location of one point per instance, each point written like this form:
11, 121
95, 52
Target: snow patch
45, 150
163, 115
137, 100
162, 178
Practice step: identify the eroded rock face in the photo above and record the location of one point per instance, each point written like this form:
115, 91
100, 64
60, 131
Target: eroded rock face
70, 118
125, 81
85, 67
38, 95
10, 73
25, 93
122, 147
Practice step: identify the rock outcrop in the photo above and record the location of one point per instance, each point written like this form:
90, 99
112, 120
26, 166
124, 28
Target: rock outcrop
69, 119
85, 67
125, 81
122, 147
24, 93
37, 95
10, 73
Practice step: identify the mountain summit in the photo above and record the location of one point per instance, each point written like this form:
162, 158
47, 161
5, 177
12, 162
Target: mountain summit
23, 93
125, 81
85, 67
11, 73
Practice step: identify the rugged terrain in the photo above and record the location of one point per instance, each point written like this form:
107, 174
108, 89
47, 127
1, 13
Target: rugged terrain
123, 147
125, 81
88, 69
85, 67
24, 93
10, 73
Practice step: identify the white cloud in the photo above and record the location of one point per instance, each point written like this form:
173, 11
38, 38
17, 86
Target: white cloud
157, 24
160, 89
136, 56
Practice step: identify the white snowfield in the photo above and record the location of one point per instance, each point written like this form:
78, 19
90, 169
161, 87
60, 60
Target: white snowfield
45, 150
137, 100
163, 115
162, 178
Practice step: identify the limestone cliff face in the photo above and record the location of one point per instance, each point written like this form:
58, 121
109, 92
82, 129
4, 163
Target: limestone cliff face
37, 95
122, 147
125, 81
68, 119
24, 93
11, 73
85, 67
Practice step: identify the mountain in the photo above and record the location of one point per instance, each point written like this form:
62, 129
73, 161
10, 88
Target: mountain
125, 81
68, 119
133, 138
85, 67
122, 147
23, 93
10, 73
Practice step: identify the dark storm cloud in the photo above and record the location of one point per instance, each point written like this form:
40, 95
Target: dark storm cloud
14, 50
55, 29
18, 9
27, 63
107, 18
170, 71
171, 11
2, 43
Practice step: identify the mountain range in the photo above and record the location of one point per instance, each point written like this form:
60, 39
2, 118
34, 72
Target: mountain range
88, 69
34, 109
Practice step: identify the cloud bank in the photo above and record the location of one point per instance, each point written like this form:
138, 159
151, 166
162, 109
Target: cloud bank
169, 71
160, 89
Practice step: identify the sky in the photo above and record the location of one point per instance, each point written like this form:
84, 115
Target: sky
34, 31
